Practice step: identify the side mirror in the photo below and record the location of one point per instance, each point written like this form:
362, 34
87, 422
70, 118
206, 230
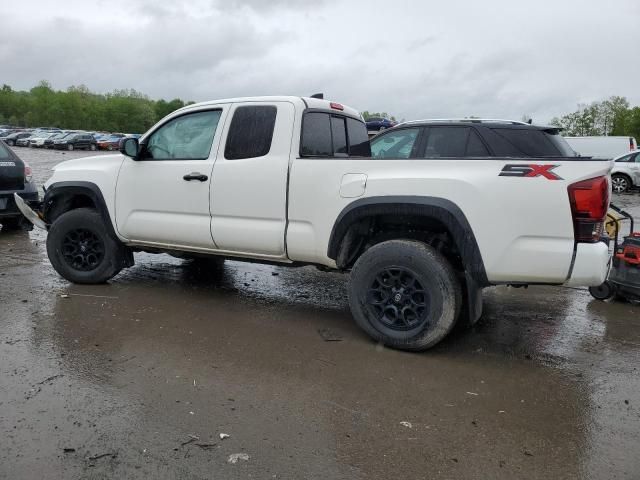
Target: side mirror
129, 147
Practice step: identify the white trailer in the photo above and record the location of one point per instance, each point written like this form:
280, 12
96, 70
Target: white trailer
602, 147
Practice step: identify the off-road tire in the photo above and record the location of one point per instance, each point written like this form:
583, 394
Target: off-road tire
84, 220
430, 270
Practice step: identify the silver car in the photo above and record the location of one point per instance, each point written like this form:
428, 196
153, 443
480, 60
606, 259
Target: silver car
626, 172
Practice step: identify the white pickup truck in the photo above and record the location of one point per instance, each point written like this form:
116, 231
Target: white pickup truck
423, 217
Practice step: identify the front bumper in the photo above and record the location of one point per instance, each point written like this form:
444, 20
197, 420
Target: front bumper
590, 266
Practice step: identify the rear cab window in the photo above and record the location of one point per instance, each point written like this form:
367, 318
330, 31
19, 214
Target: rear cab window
331, 135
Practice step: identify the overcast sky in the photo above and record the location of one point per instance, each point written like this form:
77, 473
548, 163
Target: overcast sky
414, 59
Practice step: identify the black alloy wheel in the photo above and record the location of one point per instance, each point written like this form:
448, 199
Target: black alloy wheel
397, 299
82, 249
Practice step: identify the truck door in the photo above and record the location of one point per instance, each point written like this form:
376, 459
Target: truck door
163, 198
249, 185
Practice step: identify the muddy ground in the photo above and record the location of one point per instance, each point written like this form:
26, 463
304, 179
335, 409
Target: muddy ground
138, 378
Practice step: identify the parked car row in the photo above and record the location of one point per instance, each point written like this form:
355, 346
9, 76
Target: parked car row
49, 137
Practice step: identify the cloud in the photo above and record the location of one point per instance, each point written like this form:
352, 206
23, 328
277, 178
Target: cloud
497, 58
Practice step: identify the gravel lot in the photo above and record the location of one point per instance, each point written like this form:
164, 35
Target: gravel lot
138, 378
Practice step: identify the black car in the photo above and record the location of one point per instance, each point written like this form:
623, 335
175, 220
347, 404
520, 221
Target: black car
470, 138
48, 143
14, 137
76, 141
15, 177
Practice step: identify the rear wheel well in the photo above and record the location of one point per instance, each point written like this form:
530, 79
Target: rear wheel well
434, 220
371, 230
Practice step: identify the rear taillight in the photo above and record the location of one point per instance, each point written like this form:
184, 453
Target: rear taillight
589, 203
27, 172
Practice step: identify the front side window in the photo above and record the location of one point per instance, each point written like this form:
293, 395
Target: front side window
187, 137
251, 132
395, 144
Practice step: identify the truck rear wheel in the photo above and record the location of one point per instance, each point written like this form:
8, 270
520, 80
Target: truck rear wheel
404, 294
81, 248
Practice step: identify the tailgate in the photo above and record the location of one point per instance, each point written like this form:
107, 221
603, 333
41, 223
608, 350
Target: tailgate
11, 170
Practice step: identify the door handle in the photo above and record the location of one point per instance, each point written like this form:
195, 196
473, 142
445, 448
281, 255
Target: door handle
195, 176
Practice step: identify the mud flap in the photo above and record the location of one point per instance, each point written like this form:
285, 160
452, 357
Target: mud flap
472, 306
28, 213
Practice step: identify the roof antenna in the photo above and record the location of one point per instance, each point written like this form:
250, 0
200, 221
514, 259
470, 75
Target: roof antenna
319, 96
530, 121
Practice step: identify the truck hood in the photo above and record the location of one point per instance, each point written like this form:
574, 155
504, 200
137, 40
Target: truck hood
83, 163
87, 169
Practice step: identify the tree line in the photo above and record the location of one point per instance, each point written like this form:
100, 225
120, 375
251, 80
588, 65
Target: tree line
78, 108
613, 116
133, 112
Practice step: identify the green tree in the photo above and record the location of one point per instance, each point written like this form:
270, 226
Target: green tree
78, 108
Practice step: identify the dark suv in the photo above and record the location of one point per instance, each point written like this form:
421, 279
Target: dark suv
12, 139
473, 138
15, 177
76, 141
376, 124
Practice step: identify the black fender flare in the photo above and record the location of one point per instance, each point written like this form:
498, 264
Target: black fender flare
440, 209
77, 188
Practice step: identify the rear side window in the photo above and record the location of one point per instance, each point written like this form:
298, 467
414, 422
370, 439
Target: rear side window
4, 153
446, 142
327, 135
530, 142
251, 132
475, 147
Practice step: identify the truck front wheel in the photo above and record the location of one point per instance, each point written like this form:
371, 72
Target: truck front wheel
404, 294
81, 248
